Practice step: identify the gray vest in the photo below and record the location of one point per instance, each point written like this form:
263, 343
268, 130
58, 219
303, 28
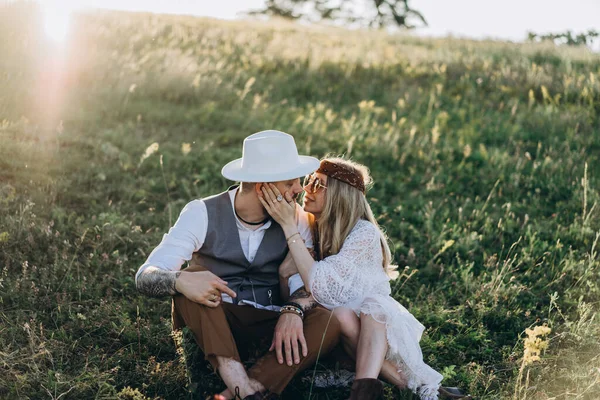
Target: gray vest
222, 254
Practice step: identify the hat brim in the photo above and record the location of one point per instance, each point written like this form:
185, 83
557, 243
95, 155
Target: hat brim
304, 166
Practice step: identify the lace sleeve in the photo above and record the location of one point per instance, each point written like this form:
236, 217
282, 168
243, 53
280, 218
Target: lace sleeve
342, 278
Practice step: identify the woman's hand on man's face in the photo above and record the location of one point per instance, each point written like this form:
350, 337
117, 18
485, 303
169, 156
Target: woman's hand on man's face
284, 210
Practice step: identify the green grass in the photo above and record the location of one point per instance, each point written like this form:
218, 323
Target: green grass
484, 155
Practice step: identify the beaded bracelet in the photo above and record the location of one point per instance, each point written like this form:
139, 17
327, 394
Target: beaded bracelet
291, 303
293, 310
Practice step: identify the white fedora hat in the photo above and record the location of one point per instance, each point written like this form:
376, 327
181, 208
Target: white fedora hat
269, 156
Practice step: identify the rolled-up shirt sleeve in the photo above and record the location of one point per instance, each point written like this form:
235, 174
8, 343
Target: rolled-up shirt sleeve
295, 282
184, 238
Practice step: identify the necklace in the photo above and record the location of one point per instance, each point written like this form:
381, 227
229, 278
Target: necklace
264, 221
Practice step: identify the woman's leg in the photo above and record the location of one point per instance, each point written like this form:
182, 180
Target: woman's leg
351, 324
372, 347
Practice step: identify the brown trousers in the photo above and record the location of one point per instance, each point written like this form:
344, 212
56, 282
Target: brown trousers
215, 328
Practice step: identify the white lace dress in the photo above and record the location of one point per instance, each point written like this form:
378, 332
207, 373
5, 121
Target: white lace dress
354, 278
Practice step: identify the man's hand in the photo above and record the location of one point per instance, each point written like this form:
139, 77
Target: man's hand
288, 332
202, 287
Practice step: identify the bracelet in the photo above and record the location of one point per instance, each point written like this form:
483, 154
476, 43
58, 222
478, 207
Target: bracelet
291, 236
293, 304
292, 242
292, 310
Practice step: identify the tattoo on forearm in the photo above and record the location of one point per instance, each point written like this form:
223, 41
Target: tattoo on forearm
300, 294
308, 301
156, 282
309, 306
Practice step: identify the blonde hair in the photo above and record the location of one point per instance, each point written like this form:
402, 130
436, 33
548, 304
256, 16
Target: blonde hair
344, 206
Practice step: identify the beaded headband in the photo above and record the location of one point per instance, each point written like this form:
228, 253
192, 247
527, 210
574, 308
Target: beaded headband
343, 174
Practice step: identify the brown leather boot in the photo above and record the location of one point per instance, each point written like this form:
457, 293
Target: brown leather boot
453, 393
366, 389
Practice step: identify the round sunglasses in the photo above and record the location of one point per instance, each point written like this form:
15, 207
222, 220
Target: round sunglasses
312, 184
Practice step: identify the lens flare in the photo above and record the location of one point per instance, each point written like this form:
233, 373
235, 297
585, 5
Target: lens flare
57, 18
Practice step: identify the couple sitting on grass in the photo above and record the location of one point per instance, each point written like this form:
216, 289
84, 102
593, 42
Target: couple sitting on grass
261, 266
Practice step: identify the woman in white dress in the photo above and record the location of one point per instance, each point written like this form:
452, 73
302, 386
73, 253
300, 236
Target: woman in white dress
352, 276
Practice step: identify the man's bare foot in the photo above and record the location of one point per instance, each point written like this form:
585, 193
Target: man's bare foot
235, 377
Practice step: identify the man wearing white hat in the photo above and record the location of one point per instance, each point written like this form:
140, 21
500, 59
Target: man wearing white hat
230, 293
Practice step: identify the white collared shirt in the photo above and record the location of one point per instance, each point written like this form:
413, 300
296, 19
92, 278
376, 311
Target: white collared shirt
189, 232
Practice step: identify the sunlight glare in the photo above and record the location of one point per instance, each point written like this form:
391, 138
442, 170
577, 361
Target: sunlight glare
57, 16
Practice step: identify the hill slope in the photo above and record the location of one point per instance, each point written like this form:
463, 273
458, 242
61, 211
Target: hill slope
484, 155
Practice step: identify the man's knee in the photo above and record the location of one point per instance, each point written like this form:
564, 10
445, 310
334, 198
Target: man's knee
183, 302
192, 313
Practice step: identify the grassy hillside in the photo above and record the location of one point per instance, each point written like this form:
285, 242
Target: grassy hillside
485, 157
